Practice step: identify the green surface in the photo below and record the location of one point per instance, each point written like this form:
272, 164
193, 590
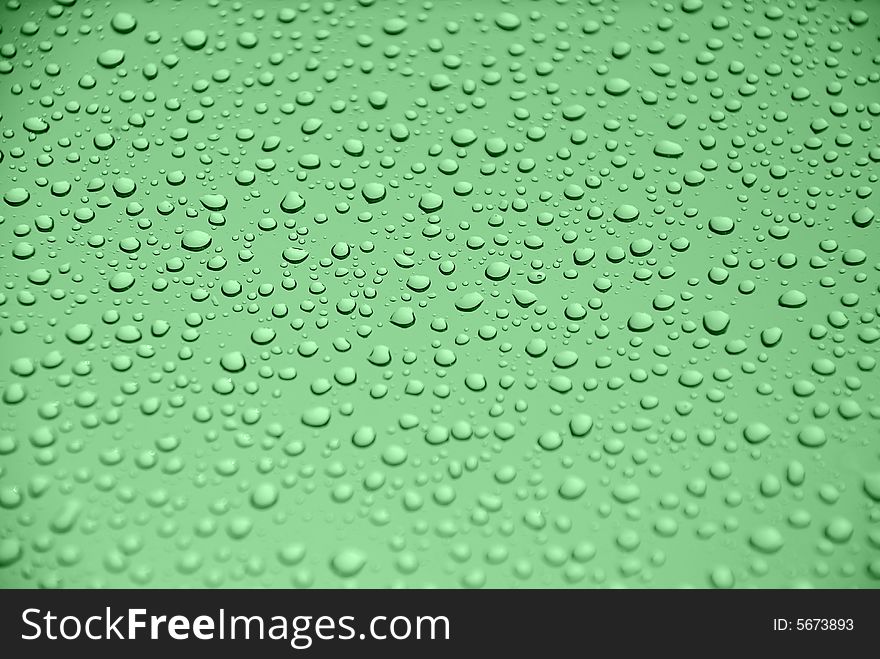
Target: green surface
524, 294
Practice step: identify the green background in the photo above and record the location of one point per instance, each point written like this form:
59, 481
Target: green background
384, 294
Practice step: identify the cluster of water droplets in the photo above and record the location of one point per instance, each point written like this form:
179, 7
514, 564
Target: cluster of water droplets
439, 293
